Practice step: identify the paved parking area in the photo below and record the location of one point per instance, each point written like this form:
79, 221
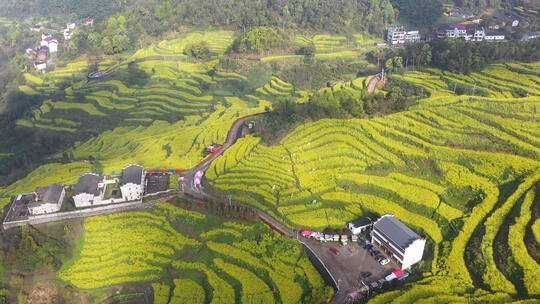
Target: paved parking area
348, 266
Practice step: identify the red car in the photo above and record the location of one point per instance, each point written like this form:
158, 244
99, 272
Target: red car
334, 250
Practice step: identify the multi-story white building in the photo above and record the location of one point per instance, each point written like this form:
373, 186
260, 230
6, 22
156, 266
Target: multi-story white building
47, 199
456, 31
398, 241
132, 182
399, 35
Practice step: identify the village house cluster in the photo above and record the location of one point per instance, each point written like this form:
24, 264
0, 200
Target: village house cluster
91, 190
470, 29
49, 44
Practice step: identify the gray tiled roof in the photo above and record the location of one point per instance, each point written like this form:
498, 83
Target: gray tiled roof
132, 174
51, 194
362, 222
395, 230
88, 183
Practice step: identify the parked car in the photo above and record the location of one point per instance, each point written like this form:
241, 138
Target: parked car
334, 250
384, 261
363, 244
366, 274
379, 258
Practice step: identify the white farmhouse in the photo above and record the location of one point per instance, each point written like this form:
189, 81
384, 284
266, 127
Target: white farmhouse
87, 193
402, 245
399, 35
53, 45
47, 199
40, 65
132, 182
494, 37
360, 225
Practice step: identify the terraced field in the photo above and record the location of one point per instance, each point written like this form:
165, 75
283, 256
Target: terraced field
239, 263
452, 166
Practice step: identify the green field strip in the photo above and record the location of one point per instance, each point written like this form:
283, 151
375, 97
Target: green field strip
530, 267
86, 107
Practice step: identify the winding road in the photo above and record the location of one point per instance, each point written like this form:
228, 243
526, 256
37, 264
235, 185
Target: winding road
340, 273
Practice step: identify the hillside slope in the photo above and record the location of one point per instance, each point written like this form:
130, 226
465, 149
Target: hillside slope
455, 167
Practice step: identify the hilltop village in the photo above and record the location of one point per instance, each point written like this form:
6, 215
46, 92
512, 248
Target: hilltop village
92, 190
44, 54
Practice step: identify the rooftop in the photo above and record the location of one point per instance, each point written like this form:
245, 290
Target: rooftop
48, 195
88, 183
395, 230
132, 174
362, 222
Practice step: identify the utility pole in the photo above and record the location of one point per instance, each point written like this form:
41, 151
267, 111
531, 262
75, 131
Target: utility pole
473, 90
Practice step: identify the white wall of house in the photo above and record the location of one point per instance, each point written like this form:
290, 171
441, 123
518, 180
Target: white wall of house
48, 208
413, 253
131, 191
357, 230
53, 47
44, 208
86, 200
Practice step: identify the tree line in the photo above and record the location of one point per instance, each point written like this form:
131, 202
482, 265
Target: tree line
460, 56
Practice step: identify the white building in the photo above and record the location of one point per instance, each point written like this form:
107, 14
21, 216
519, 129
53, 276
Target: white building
132, 182
67, 34
47, 199
40, 65
87, 193
53, 45
399, 35
530, 35
360, 225
477, 34
398, 241
494, 37
456, 31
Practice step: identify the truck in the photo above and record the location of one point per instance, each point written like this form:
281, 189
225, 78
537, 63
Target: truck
214, 148
396, 274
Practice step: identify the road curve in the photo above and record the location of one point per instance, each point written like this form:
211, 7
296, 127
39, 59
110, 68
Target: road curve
341, 279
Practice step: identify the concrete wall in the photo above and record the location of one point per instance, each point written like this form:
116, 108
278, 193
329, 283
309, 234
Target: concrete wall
53, 217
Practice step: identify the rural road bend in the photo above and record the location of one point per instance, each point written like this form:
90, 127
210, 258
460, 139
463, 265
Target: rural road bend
341, 277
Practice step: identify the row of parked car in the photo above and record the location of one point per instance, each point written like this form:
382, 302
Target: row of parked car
374, 252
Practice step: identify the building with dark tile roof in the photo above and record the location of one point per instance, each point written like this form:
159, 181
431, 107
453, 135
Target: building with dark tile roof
399, 242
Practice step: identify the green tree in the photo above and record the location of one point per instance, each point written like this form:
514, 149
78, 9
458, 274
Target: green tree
107, 45
199, 50
425, 56
258, 39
